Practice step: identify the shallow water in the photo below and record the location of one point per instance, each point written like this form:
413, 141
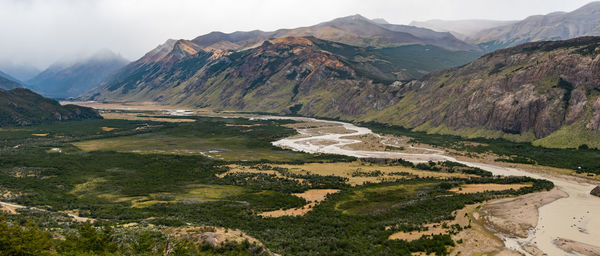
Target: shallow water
570, 218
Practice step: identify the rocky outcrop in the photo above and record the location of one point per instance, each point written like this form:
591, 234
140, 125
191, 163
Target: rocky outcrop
595, 191
535, 88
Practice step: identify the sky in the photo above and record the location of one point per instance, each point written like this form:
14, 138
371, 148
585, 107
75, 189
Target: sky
40, 32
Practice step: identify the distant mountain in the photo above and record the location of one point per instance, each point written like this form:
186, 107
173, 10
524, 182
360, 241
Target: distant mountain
545, 92
7, 82
294, 74
353, 30
461, 29
23, 107
70, 80
584, 21
21, 72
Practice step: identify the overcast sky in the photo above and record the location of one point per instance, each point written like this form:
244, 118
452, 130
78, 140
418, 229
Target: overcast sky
40, 32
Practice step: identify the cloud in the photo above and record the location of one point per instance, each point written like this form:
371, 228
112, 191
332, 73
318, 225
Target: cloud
43, 31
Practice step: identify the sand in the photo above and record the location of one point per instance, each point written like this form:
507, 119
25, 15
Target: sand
313, 196
581, 248
516, 216
477, 188
569, 218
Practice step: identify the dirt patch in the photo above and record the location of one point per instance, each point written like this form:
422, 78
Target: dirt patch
478, 188
107, 129
40, 134
143, 116
75, 215
313, 196
10, 208
515, 216
242, 125
351, 169
432, 229
571, 246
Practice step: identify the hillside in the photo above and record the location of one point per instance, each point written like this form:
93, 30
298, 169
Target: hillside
23, 107
353, 30
584, 21
73, 79
7, 82
295, 74
546, 92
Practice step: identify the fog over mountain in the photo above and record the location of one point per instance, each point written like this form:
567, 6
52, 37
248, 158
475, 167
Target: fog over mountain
67, 28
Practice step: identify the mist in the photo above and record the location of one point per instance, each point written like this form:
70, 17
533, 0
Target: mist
40, 32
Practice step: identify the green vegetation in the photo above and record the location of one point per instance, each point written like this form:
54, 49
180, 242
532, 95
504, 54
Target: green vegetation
23, 107
582, 159
181, 190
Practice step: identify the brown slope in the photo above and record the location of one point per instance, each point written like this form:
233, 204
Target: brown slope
353, 30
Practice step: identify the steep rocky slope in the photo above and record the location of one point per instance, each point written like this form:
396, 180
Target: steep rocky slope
584, 21
547, 92
73, 79
293, 74
23, 107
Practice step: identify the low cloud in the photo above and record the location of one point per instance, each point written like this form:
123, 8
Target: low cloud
40, 32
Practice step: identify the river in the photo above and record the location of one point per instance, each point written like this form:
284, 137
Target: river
569, 218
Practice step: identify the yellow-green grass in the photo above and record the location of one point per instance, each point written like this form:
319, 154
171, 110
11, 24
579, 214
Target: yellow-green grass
376, 199
194, 193
223, 148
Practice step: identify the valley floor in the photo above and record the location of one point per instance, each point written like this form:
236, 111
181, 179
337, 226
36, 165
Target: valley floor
159, 167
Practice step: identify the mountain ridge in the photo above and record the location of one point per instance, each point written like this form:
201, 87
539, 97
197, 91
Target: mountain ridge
62, 80
584, 21
354, 30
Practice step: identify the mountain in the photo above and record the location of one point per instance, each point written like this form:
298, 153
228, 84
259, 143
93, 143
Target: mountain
461, 29
292, 74
21, 72
584, 21
353, 30
545, 92
73, 79
7, 82
23, 107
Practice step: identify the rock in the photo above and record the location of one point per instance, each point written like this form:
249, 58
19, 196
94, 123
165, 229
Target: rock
596, 191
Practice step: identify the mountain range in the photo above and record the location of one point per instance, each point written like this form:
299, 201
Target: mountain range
353, 30
359, 69
63, 80
584, 21
287, 73
461, 29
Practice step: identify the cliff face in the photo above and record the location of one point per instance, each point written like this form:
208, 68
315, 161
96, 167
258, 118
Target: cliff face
532, 90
